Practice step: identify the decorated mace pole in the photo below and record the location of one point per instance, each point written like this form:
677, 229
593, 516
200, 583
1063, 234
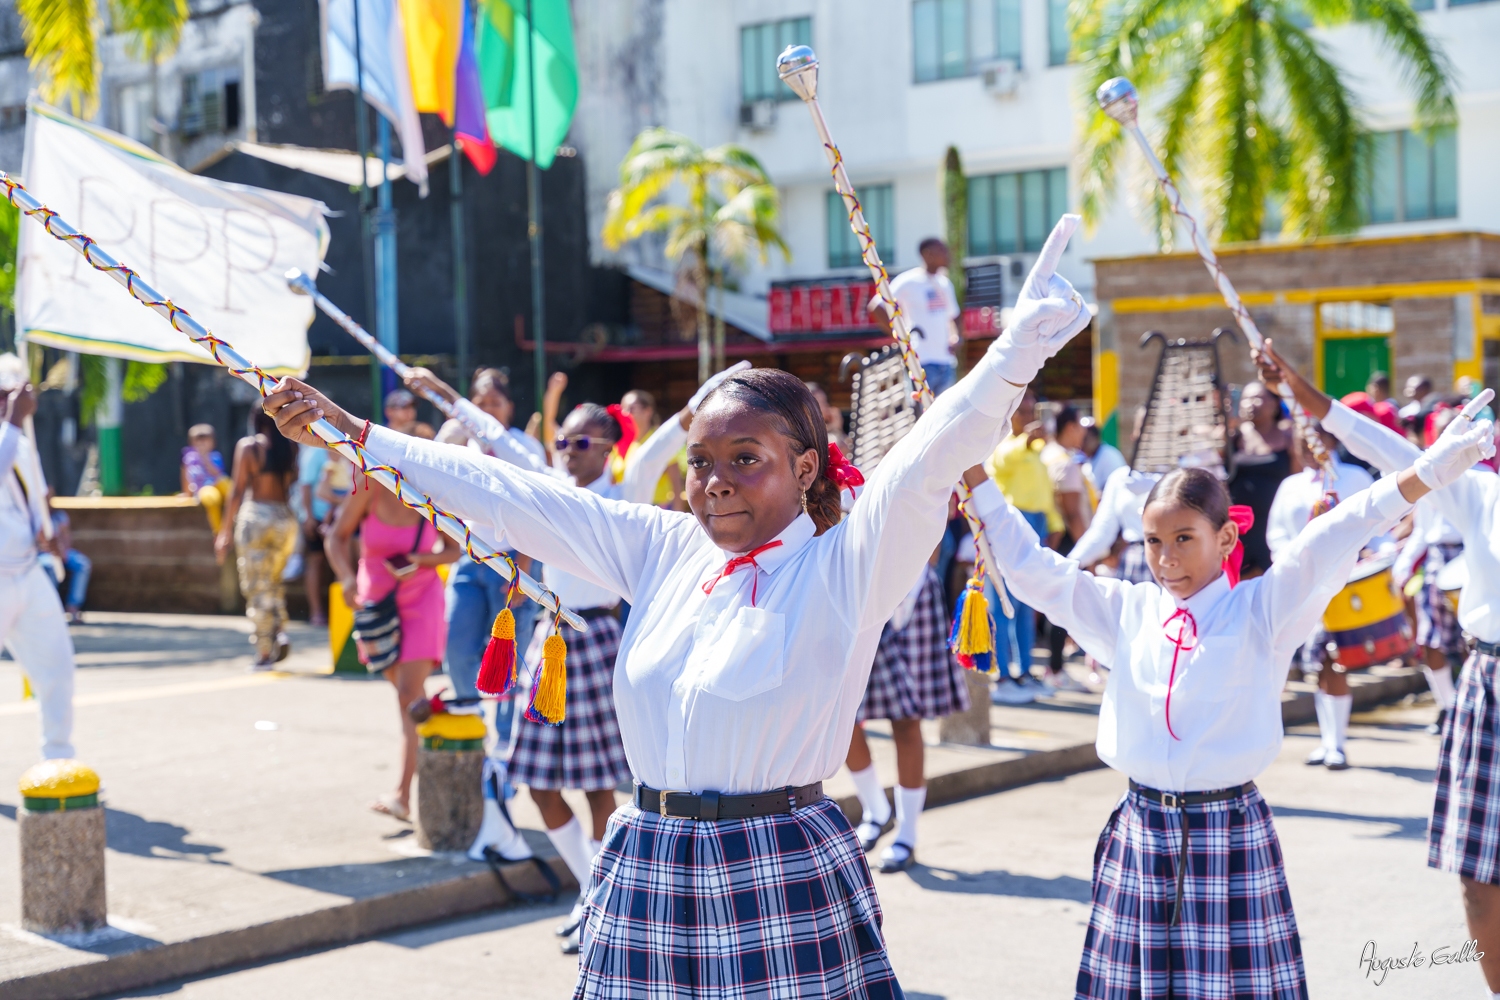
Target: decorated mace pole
303, 285
228, 357
1117, 98
798, 68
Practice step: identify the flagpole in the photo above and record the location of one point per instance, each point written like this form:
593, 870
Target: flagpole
460, 265
534, 220
362, 141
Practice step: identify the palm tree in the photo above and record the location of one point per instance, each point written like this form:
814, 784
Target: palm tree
731, 208
1248, 103
62, 39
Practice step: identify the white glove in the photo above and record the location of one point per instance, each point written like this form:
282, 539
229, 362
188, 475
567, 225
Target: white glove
1462, 443
713, 383
1048, 312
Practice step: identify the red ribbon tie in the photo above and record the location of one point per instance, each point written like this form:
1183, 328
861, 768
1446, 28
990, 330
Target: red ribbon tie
748, 559
1179, 646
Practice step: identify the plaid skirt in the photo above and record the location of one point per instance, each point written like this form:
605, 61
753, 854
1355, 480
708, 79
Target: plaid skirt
585, 751
770, 907
1464, 835
1437, 622
914, 676
1132, 567
1237, 936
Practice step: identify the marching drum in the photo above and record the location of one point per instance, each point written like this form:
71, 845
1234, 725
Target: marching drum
1366, 620
1451, 579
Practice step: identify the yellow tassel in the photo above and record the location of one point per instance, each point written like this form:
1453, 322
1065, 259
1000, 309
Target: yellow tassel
974, 635
549, 690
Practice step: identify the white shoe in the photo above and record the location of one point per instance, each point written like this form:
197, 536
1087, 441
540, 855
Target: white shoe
1009, 692
1063, 681
496, 831
1318, 756
1336, 761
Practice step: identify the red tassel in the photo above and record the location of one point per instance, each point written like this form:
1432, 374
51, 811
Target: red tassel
497, 671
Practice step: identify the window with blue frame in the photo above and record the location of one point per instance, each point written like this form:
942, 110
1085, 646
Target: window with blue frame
956, 38
1412, 177
843, 247
1014, 212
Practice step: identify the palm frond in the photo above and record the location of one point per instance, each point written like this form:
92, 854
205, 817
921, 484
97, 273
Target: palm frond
154, 26
1424, 65
748, 220
142, 378
60, 44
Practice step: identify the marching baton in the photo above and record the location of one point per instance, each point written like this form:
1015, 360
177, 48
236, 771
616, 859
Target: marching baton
226, 356
1117, 98
798, 68
303, 285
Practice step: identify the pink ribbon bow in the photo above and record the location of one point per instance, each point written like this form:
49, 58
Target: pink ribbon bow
843, 472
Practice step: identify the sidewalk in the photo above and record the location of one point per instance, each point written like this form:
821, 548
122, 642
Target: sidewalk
237, 815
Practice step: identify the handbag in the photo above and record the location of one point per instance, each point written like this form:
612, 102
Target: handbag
377, 625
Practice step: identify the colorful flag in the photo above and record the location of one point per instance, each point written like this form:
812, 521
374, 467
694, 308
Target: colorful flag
469, 126
501, 48
433, 31
387, 77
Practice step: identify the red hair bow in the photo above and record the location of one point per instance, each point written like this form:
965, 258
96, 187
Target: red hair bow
1244, 519
627, 427
842, 471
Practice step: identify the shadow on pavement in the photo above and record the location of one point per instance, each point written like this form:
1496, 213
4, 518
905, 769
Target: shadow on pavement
1000, 883
131, 834
1423, 775
1407, 827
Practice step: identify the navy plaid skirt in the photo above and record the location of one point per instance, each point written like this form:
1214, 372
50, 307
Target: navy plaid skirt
1237, 936
1132, 567
1437, 622
1464, 835
914, 676
771, 907
585, 751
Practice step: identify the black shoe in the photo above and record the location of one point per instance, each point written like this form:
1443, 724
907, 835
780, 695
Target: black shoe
897, 858
571, 943
570, 925
1436, 728
863, 831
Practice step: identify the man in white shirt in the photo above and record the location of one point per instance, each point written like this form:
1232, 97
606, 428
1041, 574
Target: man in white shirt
32, 625
930, 306
1104, 458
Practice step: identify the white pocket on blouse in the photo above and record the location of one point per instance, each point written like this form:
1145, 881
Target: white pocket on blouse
747, 659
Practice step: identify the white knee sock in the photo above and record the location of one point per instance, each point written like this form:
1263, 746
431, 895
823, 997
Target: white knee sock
1343, 704
877, 808
572, 845
909, 802
1323, 704
1441, 683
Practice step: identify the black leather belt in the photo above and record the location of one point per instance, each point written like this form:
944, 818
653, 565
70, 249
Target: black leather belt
1180, 801
712, 805
1487, 648
1175, 800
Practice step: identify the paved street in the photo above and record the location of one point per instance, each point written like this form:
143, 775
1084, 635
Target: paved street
999, 904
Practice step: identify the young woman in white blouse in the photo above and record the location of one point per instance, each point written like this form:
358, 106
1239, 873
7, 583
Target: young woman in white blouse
755, 619
1464, 834
1189, 896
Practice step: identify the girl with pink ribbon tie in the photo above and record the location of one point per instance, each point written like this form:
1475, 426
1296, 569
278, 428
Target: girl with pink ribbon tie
1190, 899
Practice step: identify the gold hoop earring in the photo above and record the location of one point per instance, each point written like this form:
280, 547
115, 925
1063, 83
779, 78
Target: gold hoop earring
804, 501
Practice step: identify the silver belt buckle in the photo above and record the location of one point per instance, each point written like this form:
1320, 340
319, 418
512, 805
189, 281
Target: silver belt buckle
661, 800
1169, 800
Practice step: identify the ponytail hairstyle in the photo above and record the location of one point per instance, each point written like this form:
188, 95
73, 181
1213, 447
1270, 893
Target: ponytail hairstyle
785, 398
281, 457
1195, 489
597, 416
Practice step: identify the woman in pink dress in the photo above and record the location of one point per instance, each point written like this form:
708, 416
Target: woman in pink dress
398, 551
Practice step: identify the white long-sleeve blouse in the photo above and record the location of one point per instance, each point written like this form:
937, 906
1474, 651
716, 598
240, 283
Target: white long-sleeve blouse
753, 685
1226, 696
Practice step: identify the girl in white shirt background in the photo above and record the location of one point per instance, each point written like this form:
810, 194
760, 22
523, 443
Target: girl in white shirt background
1190, 898
755, 620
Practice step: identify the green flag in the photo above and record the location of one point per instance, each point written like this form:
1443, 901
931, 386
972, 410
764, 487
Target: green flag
504, 73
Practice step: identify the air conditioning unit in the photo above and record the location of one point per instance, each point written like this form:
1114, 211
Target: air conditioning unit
1000, 78
758, 116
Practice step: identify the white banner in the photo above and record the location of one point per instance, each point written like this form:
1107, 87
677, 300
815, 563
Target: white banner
218, 250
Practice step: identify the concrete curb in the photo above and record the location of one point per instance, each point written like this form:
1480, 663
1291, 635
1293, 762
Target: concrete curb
477, 889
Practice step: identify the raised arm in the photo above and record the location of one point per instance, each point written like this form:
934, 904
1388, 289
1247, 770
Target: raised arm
1316, 564
899, 517
606, 542
1088, 606
1099, 539
646, 463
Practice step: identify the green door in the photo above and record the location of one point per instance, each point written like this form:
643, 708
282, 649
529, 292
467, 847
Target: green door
1348, 363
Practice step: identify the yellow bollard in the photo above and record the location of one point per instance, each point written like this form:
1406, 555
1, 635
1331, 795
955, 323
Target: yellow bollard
62, 849
450, 768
